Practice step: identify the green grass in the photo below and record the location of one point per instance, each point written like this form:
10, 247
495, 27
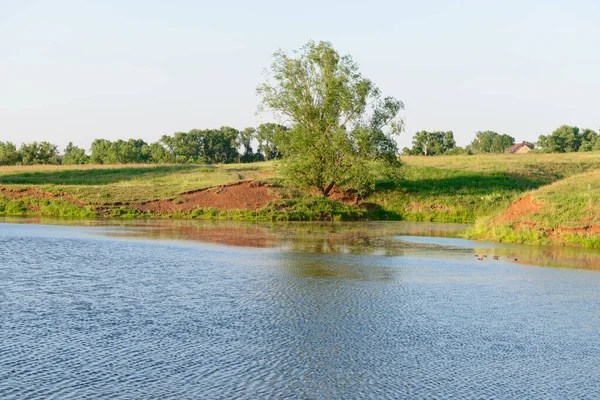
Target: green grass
116, 184
464, 188
572, 203
539, 167
43, 207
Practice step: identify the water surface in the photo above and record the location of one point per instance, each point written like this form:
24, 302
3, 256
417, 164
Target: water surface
222, 310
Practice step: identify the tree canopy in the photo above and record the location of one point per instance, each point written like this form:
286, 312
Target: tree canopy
338, 119
74, 155
567, 139
431, 143
268, 135
491, 142
39, 153
9, 155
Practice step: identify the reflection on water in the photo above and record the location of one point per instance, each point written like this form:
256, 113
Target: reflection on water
545, 256
211, 310
349, 238
375, 238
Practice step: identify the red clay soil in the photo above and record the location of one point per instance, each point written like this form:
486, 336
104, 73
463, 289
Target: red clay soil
18, 194
337, 194
519, 209
235, 196
526, 206
343, 196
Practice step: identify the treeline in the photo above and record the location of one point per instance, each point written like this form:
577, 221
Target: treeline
29, 154
568, 139
565, 139
437, 143
223, 145
229, 145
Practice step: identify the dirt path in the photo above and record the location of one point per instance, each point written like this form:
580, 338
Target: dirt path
250, 174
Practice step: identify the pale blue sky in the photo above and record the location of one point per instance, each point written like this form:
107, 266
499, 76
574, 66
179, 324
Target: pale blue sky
78, 70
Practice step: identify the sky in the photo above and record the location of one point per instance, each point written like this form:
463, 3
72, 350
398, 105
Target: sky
81, 69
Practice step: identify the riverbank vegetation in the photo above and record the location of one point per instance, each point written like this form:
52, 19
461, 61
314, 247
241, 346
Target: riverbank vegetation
442, 189
565, 212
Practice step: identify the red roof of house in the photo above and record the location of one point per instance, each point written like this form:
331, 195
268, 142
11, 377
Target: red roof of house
517, 146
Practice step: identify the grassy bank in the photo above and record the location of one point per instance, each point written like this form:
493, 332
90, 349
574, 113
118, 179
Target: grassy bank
441, 189
465, 188
565, 212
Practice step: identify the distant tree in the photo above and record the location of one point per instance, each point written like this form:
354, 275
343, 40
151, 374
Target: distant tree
39, 153
431, 143
457, 151
497, 145
74, 155
99, 151
224, 143
597, 143
339, 119
132, 151
159, 154
245, 143
565, 139
589, 140
491, 142
120, 152
203, 146
9, 155
267, 136
185, 147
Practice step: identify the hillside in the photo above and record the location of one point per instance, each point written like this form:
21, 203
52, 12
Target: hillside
565, 212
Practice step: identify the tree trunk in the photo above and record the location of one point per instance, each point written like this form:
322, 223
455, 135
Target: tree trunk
328, 188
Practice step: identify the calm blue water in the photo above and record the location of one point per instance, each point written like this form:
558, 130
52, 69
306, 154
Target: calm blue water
107, 312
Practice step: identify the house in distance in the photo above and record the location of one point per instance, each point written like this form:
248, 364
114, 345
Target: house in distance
521, 148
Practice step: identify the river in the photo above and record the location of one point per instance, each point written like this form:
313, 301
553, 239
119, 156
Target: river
176, 309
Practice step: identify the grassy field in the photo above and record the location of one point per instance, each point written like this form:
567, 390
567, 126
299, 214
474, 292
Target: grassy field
115, 183
441, 189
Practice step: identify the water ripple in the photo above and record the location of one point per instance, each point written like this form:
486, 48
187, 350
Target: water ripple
83, 317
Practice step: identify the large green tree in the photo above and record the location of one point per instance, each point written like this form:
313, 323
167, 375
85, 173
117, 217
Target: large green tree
338, 119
